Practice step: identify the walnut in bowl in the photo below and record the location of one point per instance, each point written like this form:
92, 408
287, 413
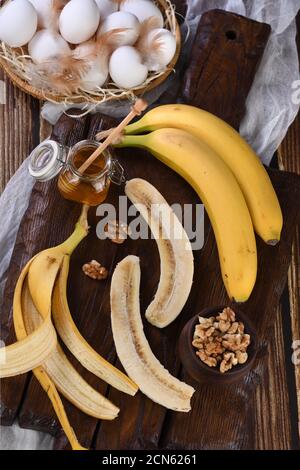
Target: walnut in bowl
218, 345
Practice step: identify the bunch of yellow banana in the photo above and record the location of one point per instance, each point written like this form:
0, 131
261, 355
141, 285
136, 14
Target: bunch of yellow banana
39, 293
227, 175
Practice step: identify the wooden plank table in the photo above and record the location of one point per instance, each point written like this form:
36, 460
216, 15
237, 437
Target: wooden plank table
276, 418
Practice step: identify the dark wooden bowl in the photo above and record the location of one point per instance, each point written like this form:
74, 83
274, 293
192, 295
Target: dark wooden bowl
197, 369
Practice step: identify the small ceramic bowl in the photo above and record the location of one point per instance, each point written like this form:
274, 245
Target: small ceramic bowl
201, 372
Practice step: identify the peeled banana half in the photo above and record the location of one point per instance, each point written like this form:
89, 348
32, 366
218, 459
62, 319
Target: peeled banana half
251, 175
132, 346
176, 256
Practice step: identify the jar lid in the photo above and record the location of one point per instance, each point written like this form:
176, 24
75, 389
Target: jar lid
46, 160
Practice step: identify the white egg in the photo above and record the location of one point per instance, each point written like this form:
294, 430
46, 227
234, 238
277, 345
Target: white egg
143, 9
18, 23
46, 45
79, 20
48, 12
43, 9
126, 68
107, 7
122, 19
161, 49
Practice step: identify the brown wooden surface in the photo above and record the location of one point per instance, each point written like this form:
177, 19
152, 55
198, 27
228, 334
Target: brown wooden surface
273, 417
289, 154
142, 423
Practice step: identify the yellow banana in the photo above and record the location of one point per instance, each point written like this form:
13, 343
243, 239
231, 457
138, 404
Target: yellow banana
219, 191
70, 335
233, 149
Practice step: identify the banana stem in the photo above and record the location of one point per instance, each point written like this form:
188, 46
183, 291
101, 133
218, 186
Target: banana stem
80, 232
131, 141
83, 217
137, 127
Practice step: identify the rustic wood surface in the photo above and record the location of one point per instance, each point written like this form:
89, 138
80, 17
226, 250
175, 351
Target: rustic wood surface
274, 421
289, 158
144, 424
289, 155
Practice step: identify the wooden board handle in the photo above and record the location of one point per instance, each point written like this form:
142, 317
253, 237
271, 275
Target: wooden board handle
225, 57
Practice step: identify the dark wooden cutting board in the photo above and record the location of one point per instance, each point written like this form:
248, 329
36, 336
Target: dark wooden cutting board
221, 416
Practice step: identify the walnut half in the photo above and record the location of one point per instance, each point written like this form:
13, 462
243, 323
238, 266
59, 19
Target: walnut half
95, 270
118, 232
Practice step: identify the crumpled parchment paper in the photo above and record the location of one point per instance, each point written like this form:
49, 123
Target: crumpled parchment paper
270, 111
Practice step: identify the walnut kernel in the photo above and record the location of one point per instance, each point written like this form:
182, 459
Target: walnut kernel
221, 341
95, 270
117, 231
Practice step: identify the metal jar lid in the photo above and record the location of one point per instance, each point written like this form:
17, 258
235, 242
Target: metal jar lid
46, 160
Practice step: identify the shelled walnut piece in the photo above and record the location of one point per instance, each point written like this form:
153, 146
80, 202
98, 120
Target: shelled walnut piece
221, 341
95, 270
118, 232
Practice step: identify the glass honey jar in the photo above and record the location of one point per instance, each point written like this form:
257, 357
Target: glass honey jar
51, 158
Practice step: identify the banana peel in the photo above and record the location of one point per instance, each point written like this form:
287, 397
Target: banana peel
65, 377
74, 341
37, 348
22, 309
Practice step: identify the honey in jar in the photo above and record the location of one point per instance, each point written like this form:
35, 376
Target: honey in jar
50, 159
91, 187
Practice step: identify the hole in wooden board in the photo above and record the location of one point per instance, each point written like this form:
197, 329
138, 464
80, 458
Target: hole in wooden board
231, 35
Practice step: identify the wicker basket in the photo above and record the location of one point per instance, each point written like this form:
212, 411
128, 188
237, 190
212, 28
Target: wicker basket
108, 94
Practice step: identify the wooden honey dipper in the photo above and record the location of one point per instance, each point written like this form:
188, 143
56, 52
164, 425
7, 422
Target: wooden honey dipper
139, 106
